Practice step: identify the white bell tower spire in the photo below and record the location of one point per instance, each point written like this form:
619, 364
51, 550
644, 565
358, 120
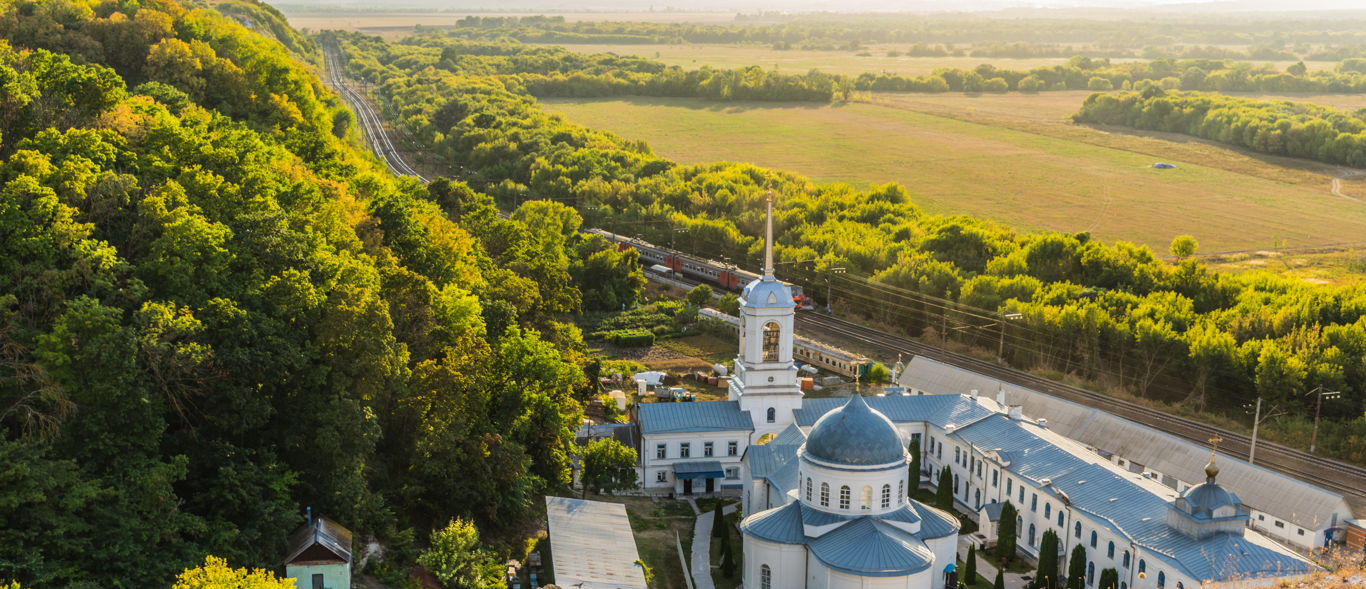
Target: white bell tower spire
765, 381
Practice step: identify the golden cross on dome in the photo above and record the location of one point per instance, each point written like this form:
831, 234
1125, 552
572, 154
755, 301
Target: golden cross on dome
1214, 443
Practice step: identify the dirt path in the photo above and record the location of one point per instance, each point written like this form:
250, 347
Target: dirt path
1344, 174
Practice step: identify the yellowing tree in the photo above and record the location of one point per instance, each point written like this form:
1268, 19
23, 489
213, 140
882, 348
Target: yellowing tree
216, 574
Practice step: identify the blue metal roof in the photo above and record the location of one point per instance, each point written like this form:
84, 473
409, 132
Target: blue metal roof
785, 478
870, 548
708, 416
699, 469
782, 525
939, 410
767, 293
935, 522
855, 434
1139, 514
790, 436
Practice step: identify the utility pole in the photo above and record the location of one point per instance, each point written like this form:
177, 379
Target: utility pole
829, 288
1001, 347
1256, 421
1318, 410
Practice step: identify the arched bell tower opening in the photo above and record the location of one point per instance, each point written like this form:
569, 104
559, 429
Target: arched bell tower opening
772, 339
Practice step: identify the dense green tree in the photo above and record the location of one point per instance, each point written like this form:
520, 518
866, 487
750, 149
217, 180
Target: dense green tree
699, 296
1076, 568
458, 560
970, 566
1047, 575
608, 465
1109, 579
1007, 533
943, 492
1184, 246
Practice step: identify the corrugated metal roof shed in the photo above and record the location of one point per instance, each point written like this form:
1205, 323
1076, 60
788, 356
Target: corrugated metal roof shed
591, 545
321, 532
1296, 501
710, 416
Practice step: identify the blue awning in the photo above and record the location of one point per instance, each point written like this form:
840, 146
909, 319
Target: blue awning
699, 469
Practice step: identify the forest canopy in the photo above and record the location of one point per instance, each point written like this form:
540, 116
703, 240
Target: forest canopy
217, 310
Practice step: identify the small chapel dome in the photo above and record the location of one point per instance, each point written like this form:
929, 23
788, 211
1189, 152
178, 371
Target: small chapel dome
768, 292
855, 435
1204, 500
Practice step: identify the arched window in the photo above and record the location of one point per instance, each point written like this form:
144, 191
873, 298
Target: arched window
1110, 551
1031, 534
808, 489
1161, 579
844, 496
886, 496
1077, 529
1126, 559
866, 500
901, 490
1180, 585
1090, 573
772, 335
765, 577
1060, 523
955, 484
1047, 510
772, 415
825, 494
1093, 539
1142, 566
977, 498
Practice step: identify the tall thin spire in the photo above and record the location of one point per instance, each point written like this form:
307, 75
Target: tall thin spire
768, 240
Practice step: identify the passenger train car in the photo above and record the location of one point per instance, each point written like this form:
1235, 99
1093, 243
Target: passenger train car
664, 260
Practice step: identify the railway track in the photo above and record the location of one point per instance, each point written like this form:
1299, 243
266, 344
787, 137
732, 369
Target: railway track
1348, 479
372, 125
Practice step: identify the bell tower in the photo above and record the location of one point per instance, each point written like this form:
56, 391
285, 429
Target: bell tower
765, 381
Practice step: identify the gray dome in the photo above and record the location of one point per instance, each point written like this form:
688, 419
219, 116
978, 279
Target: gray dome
768, 292
855, 434
1202, 500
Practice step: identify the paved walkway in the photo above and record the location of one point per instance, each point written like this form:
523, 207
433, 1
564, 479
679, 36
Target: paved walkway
701, 544
701, 551
987, 569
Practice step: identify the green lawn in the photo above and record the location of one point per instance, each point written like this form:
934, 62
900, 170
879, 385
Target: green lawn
1011, 158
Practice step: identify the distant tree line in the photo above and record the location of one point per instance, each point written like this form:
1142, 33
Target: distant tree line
1259, 38
1276, 127
1112, 313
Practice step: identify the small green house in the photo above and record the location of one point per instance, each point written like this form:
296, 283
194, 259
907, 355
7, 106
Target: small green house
320, 555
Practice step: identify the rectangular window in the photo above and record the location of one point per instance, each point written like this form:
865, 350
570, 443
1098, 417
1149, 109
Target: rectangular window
707, 449
1280, 524
1034, 502
732, 448
661, 451
683, 450
732, 472
1010, 487
1299, 531
955, 454
995, 478
661, 477
1021, 493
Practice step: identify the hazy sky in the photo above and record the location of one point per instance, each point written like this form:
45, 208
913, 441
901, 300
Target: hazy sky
847, 5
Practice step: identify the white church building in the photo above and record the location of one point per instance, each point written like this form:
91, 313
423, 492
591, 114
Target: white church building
826, 498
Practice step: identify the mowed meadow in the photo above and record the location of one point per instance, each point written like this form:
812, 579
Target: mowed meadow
1015, 158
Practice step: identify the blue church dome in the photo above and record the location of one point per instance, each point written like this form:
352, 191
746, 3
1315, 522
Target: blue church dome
855, 434
1204, 499
768, 292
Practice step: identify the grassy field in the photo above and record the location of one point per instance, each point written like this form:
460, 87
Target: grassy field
1014, 158
399, 23
872, 58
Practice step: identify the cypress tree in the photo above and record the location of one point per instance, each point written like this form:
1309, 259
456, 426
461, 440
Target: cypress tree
717, 521
1000, 580
913, 473
1006, 533
1109, 579
970, 568
1076, 568
1047, 577
943, 497
727, 556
